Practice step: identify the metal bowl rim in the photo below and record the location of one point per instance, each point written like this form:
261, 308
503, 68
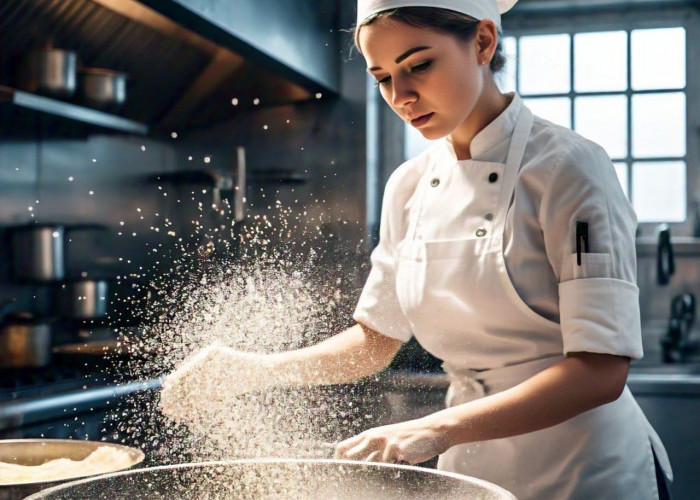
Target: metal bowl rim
139, 456
353, 463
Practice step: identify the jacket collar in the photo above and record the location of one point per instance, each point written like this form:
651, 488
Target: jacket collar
491, 143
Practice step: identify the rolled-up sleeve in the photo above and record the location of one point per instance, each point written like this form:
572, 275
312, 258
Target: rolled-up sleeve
598, 297
378, 307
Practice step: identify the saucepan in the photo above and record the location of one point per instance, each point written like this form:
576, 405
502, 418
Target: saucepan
37, 250
25, 341
279, 479
48, 70
84, 299
103, 88
31, 465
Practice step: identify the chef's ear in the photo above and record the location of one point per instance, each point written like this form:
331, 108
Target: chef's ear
486, 39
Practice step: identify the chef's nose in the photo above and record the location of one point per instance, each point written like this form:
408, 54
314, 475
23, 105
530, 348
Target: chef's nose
402, 93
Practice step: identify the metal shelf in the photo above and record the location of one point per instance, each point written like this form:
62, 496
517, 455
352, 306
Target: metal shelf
71, 111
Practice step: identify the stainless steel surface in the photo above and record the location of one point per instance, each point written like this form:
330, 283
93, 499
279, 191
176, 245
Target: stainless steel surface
198, 57
37, 253
102, 87
84, 299
48, 71
280, 479
29, 411
71, 111
38, 451
261, 30
25, 344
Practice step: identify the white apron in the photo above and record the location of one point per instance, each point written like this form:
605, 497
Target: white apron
605, 453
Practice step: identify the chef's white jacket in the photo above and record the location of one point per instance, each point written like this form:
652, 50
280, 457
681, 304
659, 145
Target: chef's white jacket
563, 178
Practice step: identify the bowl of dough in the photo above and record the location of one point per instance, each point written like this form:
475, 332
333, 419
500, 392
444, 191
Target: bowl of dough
30, 465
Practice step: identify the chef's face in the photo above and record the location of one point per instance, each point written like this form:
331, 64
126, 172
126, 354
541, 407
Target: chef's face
430, 79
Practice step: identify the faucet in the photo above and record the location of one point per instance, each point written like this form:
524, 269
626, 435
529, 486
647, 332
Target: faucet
677, 344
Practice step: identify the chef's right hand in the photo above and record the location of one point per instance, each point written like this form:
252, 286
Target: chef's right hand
209, 377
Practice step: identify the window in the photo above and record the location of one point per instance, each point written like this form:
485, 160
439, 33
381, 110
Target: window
624, 89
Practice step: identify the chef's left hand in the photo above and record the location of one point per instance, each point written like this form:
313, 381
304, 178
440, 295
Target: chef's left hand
409, 442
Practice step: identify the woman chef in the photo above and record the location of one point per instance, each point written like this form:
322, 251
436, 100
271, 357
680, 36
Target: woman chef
507, 250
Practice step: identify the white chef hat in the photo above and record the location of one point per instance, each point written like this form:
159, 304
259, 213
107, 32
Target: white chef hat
478, 9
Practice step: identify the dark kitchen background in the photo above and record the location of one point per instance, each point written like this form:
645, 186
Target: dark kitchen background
239, 105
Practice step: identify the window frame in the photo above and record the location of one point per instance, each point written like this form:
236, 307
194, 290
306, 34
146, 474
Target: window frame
629, 19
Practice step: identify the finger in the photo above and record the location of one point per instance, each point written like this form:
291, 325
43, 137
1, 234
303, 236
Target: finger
374, 456
342, 448
361, 451
392, 454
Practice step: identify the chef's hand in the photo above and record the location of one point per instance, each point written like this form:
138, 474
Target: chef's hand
211, 375
409, 442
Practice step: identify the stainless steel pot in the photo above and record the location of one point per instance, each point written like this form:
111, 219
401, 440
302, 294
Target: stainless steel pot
102, 87
37, 250
37, 253
38, 451
84, 299
280, 480
25, 342
48, 71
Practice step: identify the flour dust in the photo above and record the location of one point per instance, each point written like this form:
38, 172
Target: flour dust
274, 283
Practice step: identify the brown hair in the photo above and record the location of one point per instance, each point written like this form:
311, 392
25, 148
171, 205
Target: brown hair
444, 21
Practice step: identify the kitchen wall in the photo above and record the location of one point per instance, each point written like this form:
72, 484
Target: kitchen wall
54, 172
99, 179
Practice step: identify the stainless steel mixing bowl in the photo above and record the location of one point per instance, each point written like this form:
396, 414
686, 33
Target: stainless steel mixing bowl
280, 480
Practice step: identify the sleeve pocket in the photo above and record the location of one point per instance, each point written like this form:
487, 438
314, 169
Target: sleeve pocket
593, 265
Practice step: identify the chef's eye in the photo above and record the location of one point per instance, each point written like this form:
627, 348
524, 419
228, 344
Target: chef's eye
382, 81
421, 67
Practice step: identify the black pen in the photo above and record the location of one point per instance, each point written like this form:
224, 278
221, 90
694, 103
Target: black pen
581, 239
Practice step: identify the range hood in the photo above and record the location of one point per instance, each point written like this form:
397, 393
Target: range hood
187, 64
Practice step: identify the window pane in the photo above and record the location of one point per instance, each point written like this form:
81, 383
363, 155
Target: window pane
545, 64
658, 59
595, 73
623, 176
554, 109
603, 119
658, 125
656, 201
506, 78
